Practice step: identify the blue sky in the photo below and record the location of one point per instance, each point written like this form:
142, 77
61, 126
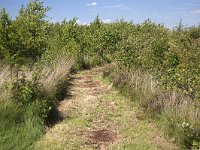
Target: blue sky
168, 12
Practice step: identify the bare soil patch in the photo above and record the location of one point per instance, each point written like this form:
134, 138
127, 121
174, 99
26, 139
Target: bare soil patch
101, 137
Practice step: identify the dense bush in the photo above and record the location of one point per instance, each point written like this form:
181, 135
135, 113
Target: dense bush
150, 55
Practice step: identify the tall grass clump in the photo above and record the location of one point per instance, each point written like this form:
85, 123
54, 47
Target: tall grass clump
21, 120
19, 126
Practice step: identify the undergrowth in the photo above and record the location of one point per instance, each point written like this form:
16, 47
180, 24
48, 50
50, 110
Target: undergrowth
29, 104
174, 112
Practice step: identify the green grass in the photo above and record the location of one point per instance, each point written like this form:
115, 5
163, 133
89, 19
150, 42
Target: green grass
19, 127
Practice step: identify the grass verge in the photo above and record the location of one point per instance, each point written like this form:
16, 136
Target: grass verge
176, 113
23, 120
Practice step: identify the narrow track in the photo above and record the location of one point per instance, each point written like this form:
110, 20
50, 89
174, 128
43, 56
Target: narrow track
96, 116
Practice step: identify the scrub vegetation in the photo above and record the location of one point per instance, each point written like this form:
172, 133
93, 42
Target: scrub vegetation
157, 68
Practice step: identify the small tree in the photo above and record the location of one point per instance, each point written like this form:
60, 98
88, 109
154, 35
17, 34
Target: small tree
30, 35
5, 22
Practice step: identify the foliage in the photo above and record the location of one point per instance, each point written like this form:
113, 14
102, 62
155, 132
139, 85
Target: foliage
171, 57
24, 39
23, 91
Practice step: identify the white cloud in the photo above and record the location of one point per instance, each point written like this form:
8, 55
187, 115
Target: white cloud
119, 6
196, 11
86, 24
107, 21
92, 4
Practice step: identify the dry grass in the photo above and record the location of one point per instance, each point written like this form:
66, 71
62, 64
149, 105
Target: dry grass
49, 77
5, 76
153, 97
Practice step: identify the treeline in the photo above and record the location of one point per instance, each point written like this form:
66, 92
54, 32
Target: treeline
158, 66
